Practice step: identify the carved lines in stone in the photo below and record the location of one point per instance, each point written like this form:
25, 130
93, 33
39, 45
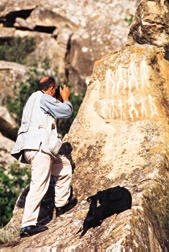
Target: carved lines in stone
123, 88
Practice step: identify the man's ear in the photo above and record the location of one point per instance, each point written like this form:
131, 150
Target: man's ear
50, 88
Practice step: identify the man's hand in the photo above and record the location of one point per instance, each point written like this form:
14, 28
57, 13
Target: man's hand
64, 92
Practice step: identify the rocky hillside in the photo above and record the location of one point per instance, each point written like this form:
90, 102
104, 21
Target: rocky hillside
119, 138
69, 37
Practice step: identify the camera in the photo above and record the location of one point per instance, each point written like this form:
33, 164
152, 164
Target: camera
57, 94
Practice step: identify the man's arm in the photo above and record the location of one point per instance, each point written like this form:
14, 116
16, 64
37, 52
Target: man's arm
55, 108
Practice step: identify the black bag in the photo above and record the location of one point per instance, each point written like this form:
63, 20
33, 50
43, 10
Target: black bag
104, 204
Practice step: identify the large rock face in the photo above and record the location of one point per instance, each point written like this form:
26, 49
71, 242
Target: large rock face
124, 124
126, 105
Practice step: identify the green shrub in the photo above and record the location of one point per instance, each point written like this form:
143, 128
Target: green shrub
129, 19
11, 185
17, 49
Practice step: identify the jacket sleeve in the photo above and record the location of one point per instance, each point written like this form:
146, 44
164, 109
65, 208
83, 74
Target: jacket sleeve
60, 110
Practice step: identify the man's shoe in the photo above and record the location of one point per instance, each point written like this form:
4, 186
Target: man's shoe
32, 230
61, 210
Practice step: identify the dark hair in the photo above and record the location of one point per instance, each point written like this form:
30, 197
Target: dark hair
46, 82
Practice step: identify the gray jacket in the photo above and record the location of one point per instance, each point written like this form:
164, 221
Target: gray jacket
40, 113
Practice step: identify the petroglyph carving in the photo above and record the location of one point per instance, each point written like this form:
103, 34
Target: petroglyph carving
132, 108
125, 97
152, 105
143, 107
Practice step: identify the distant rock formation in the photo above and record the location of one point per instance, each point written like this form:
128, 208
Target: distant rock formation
7, 138
11, 74
119, 138
71, 35
5, 157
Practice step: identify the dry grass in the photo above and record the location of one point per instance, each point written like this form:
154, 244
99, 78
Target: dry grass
8, 238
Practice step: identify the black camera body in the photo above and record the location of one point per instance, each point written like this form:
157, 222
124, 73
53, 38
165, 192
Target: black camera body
57, 94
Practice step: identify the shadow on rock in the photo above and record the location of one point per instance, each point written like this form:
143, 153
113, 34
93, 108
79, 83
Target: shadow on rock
66, 150
104, 204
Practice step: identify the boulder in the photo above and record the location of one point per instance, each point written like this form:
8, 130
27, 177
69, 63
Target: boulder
5, 157
4, 113
150, 25
8, 125
11, 74
124, 124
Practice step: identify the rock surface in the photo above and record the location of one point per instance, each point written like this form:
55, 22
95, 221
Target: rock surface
119, 137
11, 74
8, 126
151, 25
5, 149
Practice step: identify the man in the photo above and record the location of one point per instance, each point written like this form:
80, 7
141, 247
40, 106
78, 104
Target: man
40, 107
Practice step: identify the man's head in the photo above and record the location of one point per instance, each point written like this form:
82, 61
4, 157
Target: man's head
47, 84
